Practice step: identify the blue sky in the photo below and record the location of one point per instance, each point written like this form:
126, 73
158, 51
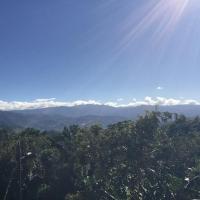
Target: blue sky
99, 49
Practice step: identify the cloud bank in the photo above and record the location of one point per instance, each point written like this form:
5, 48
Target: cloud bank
52, 102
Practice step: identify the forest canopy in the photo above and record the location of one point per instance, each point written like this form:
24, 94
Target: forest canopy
152, 158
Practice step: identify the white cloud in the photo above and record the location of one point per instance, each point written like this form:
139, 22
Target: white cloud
120, 99
44, 100
41, 103
111, 103
52, 102
159, 88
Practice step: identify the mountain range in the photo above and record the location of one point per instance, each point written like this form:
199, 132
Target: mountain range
55, 118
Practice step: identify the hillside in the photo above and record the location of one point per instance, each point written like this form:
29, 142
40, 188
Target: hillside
56, 118
155, 157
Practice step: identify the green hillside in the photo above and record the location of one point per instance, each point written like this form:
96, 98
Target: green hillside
156, 157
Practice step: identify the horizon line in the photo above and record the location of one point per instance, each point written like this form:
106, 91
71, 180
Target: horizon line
53, 102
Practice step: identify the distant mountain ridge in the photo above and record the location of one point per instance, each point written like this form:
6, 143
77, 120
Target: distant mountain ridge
55, 118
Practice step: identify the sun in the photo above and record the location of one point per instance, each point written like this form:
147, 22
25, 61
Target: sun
162, 14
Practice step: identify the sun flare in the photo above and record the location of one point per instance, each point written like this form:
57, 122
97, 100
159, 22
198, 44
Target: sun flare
165, 14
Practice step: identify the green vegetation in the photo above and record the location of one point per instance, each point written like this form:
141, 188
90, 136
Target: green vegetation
156, 157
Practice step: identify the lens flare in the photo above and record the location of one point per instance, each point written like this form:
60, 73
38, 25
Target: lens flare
162, 17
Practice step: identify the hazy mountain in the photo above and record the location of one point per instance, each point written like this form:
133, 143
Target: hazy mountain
90, 110
58, 117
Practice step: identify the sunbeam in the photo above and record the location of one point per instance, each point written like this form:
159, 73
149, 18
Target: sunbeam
163, 16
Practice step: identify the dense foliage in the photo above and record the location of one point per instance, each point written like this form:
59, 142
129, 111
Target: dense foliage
156, 157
